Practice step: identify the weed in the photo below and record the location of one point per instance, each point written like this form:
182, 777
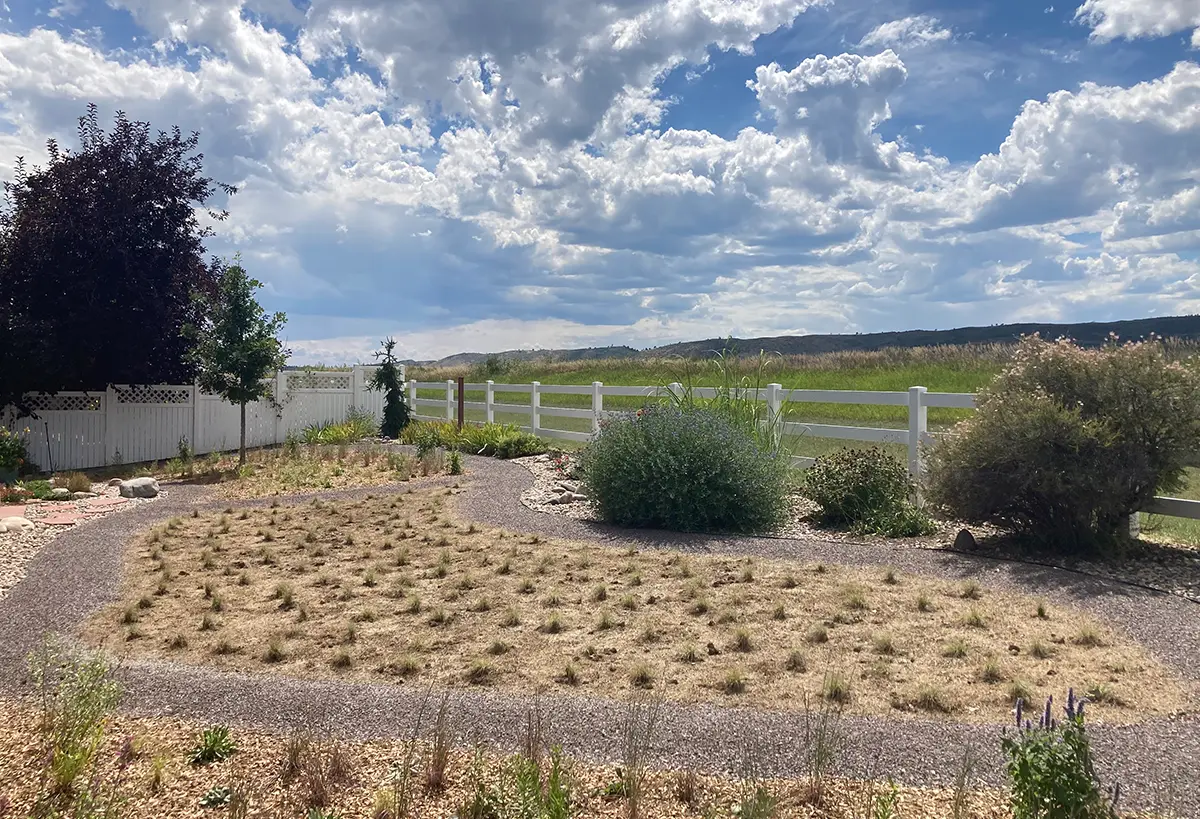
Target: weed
213, 744
955, 649
570, 674
511, 618
974, 618
817, 634
970, 591
640, 676
779, 612
1041, 651
1019, 690
742, 641
734, 682
991, 671
689, 655
275, 652
1088, 637
924, 604
836, 688
480, 672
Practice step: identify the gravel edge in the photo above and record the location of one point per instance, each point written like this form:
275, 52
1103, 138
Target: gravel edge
80, 571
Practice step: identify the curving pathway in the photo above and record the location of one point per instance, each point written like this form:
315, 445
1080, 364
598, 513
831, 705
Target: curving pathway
1156, 762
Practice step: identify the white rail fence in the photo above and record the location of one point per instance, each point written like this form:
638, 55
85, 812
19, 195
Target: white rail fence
123, 424
918, 401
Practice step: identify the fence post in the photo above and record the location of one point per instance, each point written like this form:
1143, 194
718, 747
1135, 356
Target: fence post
918, 423
281, 429
775, 412
357, 386
412, 396
597, 404
462, 400
195, 437
676, 390
449, 399
490, 400
110, 401
535, 405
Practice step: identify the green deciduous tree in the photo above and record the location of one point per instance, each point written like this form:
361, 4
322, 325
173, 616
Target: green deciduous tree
100, 251
236, 344
396, 413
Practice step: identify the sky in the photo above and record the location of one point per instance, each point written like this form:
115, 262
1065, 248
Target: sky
481, 175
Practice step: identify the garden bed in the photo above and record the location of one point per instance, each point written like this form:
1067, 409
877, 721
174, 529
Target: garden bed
1167, 566
290, 775
304, 468
394, 588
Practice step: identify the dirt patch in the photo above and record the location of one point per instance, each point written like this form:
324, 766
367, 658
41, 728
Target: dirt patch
395, 588
158, 780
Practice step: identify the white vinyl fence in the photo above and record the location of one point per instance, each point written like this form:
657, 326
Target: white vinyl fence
123, 424
918, 400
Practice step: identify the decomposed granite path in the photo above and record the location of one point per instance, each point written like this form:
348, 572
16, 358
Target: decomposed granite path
1157, 762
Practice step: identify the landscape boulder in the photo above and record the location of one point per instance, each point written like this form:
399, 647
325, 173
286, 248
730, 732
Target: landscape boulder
139, 488
16, 524
60, 493
964, 541
82, 495
115, 481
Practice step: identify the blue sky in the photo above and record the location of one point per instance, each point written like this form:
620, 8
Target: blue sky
492, 174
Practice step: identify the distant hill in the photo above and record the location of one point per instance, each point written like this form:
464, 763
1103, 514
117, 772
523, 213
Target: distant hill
1089, 334
577, 354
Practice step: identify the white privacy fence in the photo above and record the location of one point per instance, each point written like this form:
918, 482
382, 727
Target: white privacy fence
124, 424
917, 400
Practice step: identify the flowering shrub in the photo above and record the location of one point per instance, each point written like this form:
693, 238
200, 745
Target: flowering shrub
1050, 768
867, 490
12, 449
683, 469
1068, 442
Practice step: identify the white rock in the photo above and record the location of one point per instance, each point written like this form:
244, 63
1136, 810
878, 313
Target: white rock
82, 495
568, 497
569, 486
16, 524
139, 488
60, 493
114, 481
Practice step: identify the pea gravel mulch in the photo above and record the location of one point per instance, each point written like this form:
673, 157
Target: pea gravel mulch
1155, 761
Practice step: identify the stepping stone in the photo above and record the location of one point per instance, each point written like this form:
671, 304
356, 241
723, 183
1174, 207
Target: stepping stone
12, 511
61, 518
104, 504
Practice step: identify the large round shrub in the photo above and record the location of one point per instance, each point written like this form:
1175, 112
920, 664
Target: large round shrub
1067, 442
686, 470
867, 490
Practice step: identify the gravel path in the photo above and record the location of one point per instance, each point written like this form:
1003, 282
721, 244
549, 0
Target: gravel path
80, 572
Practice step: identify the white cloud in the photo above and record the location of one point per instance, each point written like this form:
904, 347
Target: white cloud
836, 101
1111, 19
908, 32
553, 208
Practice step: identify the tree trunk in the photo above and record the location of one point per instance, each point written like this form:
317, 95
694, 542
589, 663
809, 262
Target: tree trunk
242, 447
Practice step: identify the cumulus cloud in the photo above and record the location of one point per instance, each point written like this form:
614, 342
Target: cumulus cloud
495, 175
836, 101
1110, 19
907, 32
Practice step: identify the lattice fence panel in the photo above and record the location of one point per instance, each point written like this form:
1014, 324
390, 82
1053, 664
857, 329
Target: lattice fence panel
318, 381
149, 394
65, 402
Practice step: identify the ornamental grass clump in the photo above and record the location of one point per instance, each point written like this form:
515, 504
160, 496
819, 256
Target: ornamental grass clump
1050, 768
684, 469
866, 490
1068, 442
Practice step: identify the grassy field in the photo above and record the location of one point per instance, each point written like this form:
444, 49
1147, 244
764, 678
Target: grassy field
940, 369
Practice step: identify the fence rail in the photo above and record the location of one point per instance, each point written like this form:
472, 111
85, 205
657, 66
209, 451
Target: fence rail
918, 401
131, 424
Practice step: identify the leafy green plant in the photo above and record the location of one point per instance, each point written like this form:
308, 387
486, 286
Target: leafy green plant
76, 697
494, 440
737, 394
1067, 443
217, 796
867, 490
387, 379
684, 470
357, 425
454, 462
528, 788
235, 343
213, 744
13, 453
1050, 768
